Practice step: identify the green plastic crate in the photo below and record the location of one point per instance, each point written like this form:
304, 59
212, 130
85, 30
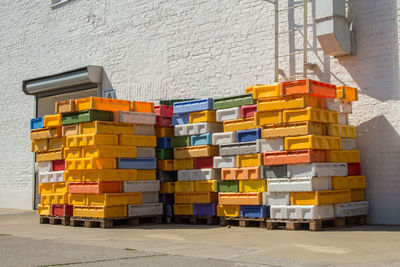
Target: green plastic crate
171, 102
165, 153
227, 186
86, 116
180, 141
234, 101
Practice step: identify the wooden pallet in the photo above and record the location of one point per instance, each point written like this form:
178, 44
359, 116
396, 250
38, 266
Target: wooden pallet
315, 225
113, 222
63, 220
243, 222
190, 219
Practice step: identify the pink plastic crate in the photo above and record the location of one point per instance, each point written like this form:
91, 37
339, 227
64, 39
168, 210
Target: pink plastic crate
163, 121
248, 111
58, 165
61, 210
164, 110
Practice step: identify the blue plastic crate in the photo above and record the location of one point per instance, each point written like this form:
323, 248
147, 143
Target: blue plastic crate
37, 123
137, 163
208, 209
168, 209
248, 135
201, 139
194, 105
167, 176
164, 142
179, 119
167, 198
249, 211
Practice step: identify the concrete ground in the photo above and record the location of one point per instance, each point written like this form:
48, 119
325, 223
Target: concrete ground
25, 242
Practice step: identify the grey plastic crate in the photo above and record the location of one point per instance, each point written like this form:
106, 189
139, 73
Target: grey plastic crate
270, 145
141, 186
274, 171
150, 197
238, 149
223, 138
224, 162
276, 198
146, 152
145, 209
198, 128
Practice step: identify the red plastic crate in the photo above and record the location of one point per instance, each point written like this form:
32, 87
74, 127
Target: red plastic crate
163, 121
308, 86
164, 110
94, 187
203, 163
62, 210
248, 111
354, 169
295, 157
58, 165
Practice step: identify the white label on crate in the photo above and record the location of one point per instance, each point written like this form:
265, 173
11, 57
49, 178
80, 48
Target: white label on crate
228, 114
299, 184
317, 169
223, 138
224, 162
270, 145
351, 209
302, 212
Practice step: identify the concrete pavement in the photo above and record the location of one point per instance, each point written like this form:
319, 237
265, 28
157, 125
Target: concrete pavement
25, 242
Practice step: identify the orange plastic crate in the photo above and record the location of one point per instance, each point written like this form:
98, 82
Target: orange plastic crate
94, 187
140, 106
195, 152
165, 165
65, 106
308, 86
240, 198
356, 195
249, 173
346, 93
101, 103
294, 157
196, 197
165, 131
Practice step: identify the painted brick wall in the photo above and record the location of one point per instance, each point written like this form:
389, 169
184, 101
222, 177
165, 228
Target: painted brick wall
169, 49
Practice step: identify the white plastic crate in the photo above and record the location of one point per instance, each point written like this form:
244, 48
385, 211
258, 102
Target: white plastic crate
299, 184
276, 198
338, 105
146, 152
137, 117
223, 138
238, 149
349, 144
228, 114
343, 118
198, 128
145, 209
270, 145
205, 174
302, 212
51, 177
224, 162
185, 175
144, 129
351, 209
150, 197
317, 169
141, 186
44, 166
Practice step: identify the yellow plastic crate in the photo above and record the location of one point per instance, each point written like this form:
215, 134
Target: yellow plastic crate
204, 186
196, 152
349, 182
107, 199
346, 93
167, 188
108, 175
54, 199
196, 197
289, 102
72, 129
90, 164
91, 140
52, 188
262, 91
228, 211
347, 156
250, 160
341, 130
239, 124
103, 127
202, 116
40, 145
310, 114
141, 106
138, 140
44, 209
45, 133
50, 155
101, 212
109, 152
184, 186
183, 164
56, 143
72, 152
246, 186
329, 197
268, 117
293, 129
100, 103
52, 120
165, 131
313, 142
183, 209
357, 195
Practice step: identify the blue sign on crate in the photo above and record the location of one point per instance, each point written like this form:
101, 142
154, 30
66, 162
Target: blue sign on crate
248, 135
201, 139
179, 119
137, 163
249, 211
37, 123
193, 105
164, 142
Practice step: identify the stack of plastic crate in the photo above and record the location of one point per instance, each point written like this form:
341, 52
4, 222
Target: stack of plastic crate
313, 167
110, 159
195, 123
241, 147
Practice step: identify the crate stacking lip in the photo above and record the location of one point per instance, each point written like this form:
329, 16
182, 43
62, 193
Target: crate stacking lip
344, 131
99, 103
170, 102
248, 173
290, 102
87, 116
263, 91
293, 129
309, 114
109, 175
91, 140
106, 199
308, 86
233, 101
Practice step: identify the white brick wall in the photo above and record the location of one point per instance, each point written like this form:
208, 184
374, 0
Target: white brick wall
171, 49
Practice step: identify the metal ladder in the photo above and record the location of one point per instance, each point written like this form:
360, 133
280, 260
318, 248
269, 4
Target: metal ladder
306, 64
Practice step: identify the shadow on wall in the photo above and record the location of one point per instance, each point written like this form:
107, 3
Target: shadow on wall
379, 144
